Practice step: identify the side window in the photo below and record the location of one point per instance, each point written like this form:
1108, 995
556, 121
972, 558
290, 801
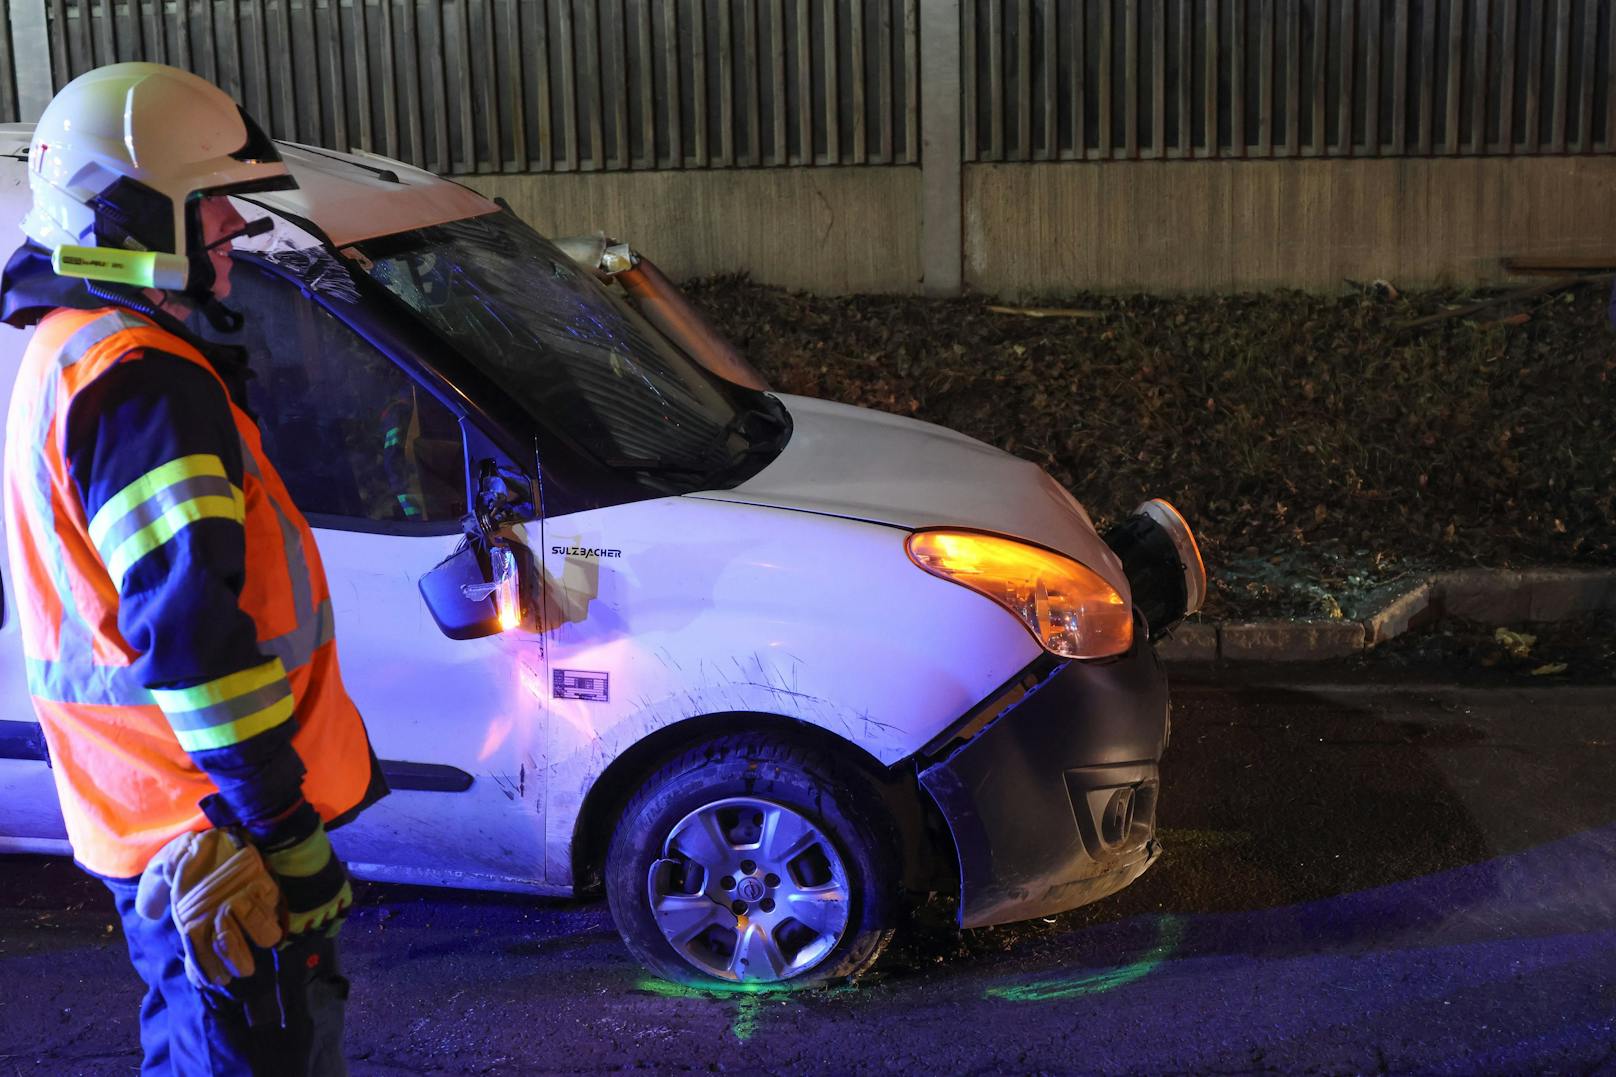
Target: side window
351, 433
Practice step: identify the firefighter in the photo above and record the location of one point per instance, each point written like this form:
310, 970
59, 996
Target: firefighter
174, 612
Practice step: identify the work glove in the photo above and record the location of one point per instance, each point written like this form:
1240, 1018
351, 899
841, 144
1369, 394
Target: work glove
313, 881
220, 897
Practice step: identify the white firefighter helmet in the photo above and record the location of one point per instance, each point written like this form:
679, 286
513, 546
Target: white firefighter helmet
123, 154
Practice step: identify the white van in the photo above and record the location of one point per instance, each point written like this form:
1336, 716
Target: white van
759, 665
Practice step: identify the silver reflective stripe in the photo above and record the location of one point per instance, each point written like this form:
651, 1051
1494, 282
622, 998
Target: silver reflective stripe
94, 332
115, 686
107, 686
74, 676
297, 647
297, 564
229, 710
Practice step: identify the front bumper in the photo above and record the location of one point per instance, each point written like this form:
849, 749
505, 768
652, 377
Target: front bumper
1052, 802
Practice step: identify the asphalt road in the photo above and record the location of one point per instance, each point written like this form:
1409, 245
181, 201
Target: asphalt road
1391, 876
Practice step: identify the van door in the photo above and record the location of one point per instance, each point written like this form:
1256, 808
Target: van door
377, 464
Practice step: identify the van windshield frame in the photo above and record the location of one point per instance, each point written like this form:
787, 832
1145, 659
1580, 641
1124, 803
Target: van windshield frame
575, 355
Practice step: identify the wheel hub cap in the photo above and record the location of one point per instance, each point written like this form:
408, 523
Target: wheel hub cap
749, 890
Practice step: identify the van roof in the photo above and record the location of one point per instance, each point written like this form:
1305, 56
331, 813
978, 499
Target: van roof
350, 196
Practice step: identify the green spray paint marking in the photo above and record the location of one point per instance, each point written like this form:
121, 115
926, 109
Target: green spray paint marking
1170, 929
749, 998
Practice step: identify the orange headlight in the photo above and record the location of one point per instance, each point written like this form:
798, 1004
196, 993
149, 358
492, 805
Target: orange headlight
1071, 610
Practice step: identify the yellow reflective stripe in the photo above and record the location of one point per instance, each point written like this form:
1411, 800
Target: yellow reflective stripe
221, 689
168, 525
307, 857
120, 503
223, 736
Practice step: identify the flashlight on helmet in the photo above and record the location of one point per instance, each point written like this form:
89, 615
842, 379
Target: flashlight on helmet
140, 269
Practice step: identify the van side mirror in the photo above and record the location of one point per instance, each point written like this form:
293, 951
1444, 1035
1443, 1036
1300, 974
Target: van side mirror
479, 589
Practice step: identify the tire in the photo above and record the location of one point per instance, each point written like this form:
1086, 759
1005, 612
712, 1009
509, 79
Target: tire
815, 836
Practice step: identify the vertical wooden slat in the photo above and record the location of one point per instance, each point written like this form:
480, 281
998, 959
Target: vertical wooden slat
336, 87
805, 86
1506, 81
594, 83
1450, 139
1265, 81
435, 87
1562, 63
833, 105
1104, 88
466, 160
1321, 78
282, 79
855, 35
968, 80
1051, 94
1024, 80
412, 84
154, 29
109, 35
389, 80
1534, 78
753, 81
1237, 79
777, 71
1080, 77
361, 57
1427, 79
1158, 79
648, 127
1186, 77
1479, 81
313, 121
516, 81
1213, 142
911, 80
1590, 57
1293, 78
9, 106
618, 65
726, 85
182, 55
1349, 56
884, 77
1372, 78
1400, 80
1130, 78
565, 39
995, 80
1610, 87
488, 84
58, 46
671, 64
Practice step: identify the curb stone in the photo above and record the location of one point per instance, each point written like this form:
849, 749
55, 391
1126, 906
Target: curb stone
1496, 597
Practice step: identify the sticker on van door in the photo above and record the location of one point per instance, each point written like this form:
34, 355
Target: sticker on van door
582, 684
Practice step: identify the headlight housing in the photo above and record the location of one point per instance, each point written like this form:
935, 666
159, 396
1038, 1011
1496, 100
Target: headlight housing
1163, 564
1067, 606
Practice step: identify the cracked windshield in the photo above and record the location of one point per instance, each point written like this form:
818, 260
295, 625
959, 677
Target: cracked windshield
567, 347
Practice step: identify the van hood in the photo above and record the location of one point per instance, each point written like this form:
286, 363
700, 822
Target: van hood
869, 465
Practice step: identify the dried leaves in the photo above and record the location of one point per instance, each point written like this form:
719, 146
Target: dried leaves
1289, 428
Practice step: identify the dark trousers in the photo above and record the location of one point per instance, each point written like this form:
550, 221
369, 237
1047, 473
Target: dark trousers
285, 1019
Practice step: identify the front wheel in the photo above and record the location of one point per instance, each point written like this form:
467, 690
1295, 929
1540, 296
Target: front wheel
751, 860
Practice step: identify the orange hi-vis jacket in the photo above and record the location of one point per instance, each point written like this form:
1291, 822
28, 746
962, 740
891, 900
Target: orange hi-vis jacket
131, 757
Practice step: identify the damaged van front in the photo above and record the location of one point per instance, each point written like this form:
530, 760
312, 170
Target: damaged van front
759, 666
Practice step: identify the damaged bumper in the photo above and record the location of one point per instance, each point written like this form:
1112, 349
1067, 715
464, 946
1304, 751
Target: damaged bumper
1049, 789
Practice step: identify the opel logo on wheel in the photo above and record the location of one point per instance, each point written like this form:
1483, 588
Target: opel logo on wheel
751, 889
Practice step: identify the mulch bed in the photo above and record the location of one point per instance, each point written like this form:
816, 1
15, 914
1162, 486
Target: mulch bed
1321, 449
